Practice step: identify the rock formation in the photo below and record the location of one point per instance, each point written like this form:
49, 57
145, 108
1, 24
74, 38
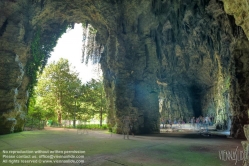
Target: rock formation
188, 54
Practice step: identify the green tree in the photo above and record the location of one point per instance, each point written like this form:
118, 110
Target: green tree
57, 86
95, 98
59, 93
35, 111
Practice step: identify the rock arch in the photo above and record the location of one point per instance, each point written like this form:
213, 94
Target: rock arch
191, 54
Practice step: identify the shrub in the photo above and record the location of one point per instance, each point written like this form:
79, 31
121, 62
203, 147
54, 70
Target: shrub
91, 126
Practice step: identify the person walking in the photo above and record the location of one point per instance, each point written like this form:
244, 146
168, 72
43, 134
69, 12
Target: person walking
197, 123
163, 122
206, 123
193, 122
170, 123
132, 125
126, 126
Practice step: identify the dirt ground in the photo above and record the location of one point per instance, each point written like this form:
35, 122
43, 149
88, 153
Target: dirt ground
105, 149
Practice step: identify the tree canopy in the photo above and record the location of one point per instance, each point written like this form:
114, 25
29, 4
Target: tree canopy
60, 93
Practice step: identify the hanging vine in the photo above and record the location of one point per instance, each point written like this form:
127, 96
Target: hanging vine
42, 45
34, 63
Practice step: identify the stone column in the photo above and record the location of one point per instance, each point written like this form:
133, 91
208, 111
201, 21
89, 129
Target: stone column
130, 65
146, 99
11, 78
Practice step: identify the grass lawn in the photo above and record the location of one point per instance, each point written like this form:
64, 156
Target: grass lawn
102, 148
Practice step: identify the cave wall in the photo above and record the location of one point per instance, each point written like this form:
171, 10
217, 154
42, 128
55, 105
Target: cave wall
196, 59
240, 10
189, 54
240, 99
199, 75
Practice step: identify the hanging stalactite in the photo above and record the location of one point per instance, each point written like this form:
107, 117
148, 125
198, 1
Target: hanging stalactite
91, 50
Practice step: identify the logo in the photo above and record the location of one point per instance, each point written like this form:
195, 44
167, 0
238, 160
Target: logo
234, 155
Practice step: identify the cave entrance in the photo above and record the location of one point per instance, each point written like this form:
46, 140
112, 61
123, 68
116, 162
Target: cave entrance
70, 83
72, 46
196, 94
38, 24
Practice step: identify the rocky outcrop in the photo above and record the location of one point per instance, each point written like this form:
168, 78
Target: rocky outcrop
196, 60
188, 54
240, 10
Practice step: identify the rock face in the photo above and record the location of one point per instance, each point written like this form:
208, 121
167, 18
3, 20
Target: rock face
239, 9
189, 55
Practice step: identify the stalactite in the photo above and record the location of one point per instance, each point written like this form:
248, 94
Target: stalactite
91, 49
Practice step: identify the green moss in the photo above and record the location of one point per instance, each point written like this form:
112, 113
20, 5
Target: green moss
42, 45
34, 63
92, 30
227, 83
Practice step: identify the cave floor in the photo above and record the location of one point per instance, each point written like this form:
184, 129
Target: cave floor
186, 148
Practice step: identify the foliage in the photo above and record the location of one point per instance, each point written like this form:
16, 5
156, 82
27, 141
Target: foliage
33, 65
57, 88
34, 123
59, 93
92, 126
226, 84
95, 98
41, 47
36, 110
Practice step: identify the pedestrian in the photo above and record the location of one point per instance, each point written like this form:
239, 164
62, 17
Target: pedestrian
193, 122
163, 122
126, 126
170, 123
211, 120
201, 122
197, 123
180, 123
206, 123
132, 125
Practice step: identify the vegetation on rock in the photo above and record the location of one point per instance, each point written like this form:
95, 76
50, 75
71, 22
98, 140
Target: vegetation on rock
41, 47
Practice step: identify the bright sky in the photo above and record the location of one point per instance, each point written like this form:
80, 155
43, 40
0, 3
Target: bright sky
69, 46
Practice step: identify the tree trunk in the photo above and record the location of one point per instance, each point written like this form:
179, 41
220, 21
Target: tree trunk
101, 109
101, 117
74, 120
59, 117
